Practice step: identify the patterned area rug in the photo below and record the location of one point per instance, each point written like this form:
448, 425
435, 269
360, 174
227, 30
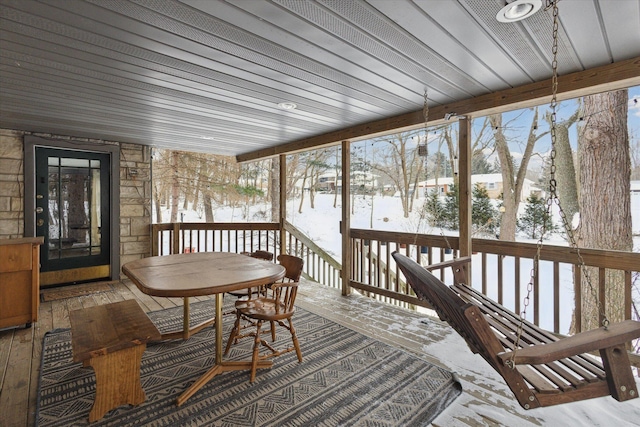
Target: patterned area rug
346, 378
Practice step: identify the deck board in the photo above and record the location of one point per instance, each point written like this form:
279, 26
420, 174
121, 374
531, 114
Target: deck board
44, 324
15, 388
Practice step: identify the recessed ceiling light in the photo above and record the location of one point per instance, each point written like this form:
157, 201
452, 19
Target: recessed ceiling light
287, 105
518, 10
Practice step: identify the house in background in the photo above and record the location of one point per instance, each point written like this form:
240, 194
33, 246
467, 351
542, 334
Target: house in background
360, 182
490, 182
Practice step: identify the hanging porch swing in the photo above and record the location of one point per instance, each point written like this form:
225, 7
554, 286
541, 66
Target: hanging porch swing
540, 368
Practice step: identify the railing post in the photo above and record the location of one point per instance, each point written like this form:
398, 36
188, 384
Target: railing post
175, 249
283, 202
464, 185
154, 240
345, 224
464, 193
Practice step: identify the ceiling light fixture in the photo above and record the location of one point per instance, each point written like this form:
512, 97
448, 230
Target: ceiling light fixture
518, 10
287, 105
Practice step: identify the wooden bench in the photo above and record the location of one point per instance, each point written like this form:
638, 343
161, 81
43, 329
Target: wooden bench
545, 370
111, 338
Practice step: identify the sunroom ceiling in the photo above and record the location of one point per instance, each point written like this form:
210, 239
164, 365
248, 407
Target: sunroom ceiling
208, 75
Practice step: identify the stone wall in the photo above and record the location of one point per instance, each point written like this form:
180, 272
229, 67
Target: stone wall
134, 201
11, 185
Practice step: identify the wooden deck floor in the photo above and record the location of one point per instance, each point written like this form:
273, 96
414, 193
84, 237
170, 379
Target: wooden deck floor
485, 400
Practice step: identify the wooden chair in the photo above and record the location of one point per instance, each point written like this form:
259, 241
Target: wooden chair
267, 256
544, 370
244, 293
293, 266
276, 307
293, 271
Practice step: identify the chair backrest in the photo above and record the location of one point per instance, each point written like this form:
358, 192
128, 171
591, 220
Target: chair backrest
260, 254
285, 293
293, 266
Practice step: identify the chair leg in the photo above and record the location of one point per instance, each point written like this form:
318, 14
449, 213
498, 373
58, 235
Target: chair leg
294, 338
233, 334
273, 331
256, 352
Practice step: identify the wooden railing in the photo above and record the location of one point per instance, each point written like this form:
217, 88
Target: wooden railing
183, 237
246, 237
318, 264
500, 270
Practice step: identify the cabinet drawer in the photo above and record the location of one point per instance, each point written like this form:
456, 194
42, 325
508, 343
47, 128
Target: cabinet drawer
15, 258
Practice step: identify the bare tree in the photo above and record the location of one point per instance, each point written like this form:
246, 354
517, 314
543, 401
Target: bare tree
337, 168
512, 175
274, 188
312, 163
402, 164
175, 186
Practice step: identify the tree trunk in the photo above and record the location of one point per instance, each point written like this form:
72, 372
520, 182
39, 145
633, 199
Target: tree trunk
304, 180
338, 172
566, 178
605, 197
208, 210
274, 189
158, 205
508, 219
175, 187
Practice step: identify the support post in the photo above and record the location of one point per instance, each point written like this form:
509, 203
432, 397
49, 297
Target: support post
283, 203
345, 224
464, 183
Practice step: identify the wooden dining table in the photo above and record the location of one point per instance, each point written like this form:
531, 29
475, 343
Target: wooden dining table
198, 274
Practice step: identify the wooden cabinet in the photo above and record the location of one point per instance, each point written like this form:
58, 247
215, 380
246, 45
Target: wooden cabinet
19, 281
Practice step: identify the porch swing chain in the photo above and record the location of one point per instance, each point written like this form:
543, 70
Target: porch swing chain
425, 115
553, 198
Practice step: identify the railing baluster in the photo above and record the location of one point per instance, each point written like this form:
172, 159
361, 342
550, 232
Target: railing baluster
484, 273
500, 277
536, 296
517, 281
556, 297
627, 296
602, 291
577, 289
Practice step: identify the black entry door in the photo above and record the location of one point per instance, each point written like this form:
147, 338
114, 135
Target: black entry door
72, 210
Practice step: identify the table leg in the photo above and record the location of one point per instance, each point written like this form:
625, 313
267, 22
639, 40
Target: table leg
219, 365
186, 331
185, 318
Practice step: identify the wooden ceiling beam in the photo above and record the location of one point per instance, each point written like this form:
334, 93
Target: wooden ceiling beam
618, 75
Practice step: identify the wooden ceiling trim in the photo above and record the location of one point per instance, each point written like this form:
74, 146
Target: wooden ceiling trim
618, 75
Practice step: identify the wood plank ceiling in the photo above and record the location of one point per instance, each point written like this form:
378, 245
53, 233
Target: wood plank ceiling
208, 75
